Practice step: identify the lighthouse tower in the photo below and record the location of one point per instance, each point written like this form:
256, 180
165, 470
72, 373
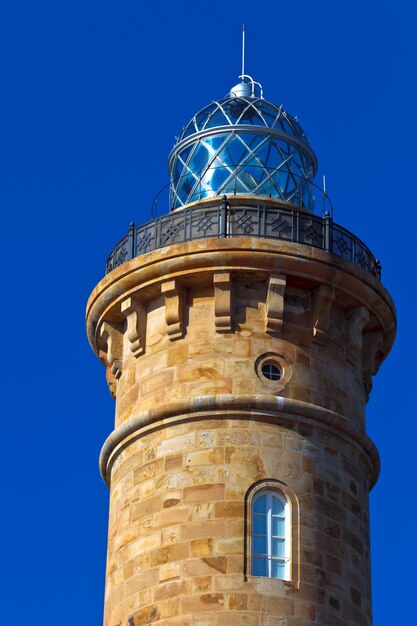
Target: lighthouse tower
240, 333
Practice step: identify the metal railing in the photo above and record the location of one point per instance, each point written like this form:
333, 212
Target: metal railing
224, 220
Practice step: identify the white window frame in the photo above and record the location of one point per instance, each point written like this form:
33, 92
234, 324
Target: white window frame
270, 494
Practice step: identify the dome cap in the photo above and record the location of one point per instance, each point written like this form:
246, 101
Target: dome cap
242, 144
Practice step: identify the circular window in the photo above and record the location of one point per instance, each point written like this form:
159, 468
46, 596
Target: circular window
271, 371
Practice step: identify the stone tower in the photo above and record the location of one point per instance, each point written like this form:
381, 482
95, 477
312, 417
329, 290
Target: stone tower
240, 333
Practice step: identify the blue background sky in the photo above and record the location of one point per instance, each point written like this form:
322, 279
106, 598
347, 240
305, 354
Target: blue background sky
92, 95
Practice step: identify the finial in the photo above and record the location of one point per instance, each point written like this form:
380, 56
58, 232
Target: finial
247, 87
243, 49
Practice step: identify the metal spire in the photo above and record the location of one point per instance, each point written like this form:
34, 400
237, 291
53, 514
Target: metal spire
247, 87
243, 49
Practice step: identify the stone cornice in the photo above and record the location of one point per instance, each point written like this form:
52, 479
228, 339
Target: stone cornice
276, 409
191, 261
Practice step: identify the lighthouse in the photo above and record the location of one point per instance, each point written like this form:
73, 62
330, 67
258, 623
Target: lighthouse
240, 333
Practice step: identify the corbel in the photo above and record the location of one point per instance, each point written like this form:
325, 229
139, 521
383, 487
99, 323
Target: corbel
110, 377
322, 302
372, 355
222, 302
112, 337
275, 303
135, 314
173, 293
356, 320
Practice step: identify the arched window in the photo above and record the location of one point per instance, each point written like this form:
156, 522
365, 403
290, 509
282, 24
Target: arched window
270, 545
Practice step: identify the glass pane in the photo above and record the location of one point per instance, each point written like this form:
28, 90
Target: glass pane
202, 116
278, 526
235, 108
251, 116
185, 153
277, 506
278, 569
278, 547
259, 505
259, 524
271, 371
199, 159
231, 185
251, 141
185, 186
234, 153
259, 544
258, 567
214, 142
268, 113
273, 157
189, 130
177, 170
217, 119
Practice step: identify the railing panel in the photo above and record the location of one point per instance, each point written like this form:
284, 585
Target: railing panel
311, 230
119, 255
342, 242
270, 222
244, 222
145, 238
279, 223
173, 229
204, 223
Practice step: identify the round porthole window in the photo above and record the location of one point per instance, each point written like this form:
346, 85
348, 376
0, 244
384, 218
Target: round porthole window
271, 371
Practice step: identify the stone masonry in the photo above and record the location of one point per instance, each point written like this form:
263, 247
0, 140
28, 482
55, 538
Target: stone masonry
183, 332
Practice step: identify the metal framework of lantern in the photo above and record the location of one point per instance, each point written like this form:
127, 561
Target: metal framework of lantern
242, 144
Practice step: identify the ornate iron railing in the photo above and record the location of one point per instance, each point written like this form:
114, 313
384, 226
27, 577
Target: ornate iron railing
224, 220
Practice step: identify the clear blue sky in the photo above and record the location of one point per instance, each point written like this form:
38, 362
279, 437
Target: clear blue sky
91, 97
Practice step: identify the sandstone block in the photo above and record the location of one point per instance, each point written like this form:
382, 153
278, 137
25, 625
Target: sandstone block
170, 590
203, 457
203, 493
229, 545
203, 528
171, 516
202, 547
200, 603
168, 571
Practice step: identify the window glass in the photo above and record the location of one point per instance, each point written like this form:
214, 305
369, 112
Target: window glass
278, 570
259, 524
278, 547
259, 567
270, 535
259, 544
278, 526
277, 506
259, 505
